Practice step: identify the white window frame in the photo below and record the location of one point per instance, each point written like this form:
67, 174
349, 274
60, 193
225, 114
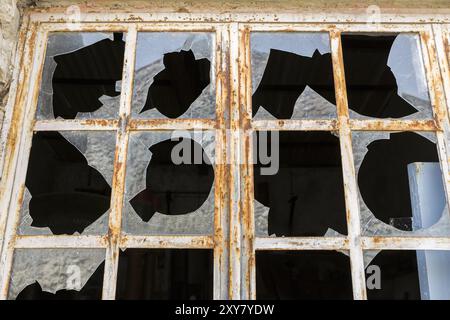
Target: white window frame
233, 242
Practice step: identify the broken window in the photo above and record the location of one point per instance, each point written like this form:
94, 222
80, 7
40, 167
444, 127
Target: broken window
82, 76
385, 76
408, 274
165, 274
292, 76
305, 275
120, 189
304, 195
400, 183
170, 183
174, 76
57, 274
68, 183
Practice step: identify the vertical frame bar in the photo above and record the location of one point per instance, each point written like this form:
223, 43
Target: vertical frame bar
248, 267
22, 131
120, 159
348, 170
440, 111
221, 227
441, 40
234, 145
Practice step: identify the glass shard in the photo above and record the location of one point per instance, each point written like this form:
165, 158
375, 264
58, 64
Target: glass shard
170, 183
65, 192
174, 76
387, 166
293, 76
57, 274
81, 76
385, 76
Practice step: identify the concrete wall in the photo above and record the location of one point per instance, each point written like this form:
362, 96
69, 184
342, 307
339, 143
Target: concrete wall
9, 24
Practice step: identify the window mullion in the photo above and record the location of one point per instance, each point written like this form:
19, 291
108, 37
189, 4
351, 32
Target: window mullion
248, 268
118, 183
233, 161
221, 227
348, 168
436, 92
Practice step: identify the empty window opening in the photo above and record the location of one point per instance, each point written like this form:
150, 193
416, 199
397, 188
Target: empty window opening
181, 82
306, 275
305, 197
165, 274
408, 275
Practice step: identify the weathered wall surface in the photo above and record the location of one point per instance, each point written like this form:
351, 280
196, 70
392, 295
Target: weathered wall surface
9, 24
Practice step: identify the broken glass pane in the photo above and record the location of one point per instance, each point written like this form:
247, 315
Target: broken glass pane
292, 76
68, 183
62, 274
303, 275
385, 76
81, 76
407, 275
165, 274
174, 75
298, 184
169, 186
400, 184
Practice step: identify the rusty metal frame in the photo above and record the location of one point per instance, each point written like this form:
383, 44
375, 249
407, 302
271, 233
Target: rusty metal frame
234, 242
355, 243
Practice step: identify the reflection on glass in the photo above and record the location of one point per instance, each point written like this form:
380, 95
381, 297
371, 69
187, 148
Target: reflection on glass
174, 76
385, 76
303, 195
303, 275
165, 274
81, 76
408, 275
169, 185
400, 183
292, 76
57, 274
68, 183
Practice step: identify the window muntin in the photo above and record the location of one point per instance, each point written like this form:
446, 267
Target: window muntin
354, 246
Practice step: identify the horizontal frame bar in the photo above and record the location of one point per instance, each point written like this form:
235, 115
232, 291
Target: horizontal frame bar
167, 242
60, 241
393, 125
171, 124
405, 243
300, 125
81, 125
126, 241
301, 243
